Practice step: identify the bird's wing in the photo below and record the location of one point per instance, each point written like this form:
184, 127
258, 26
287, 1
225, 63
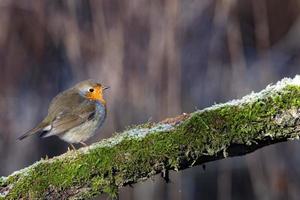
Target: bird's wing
66, 101
70, 119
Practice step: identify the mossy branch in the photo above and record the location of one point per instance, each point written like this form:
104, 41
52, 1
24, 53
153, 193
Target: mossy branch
231, 129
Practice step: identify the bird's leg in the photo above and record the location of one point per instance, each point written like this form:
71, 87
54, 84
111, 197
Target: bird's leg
84, 144
72, 146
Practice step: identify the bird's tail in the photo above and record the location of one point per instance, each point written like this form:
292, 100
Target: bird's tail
41, 128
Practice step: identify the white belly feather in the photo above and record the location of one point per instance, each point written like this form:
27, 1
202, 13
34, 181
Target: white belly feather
86, 130
80, 133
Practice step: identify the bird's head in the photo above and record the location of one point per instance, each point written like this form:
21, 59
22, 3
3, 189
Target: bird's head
91, 90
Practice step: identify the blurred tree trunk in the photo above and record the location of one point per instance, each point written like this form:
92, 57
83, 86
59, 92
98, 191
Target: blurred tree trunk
231, 129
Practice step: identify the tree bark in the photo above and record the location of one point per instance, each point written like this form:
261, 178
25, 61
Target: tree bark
224, 130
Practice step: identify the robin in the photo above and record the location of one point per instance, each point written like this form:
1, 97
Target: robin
74, 114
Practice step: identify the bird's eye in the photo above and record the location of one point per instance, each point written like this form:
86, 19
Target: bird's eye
91, 90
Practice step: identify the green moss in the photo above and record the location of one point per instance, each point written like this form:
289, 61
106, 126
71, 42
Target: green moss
2, 180
209, 132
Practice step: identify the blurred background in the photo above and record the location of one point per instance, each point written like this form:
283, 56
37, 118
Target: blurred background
161, 58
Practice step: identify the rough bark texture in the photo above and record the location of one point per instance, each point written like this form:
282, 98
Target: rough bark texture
231, 129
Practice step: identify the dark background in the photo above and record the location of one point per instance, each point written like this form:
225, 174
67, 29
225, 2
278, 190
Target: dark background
161, 58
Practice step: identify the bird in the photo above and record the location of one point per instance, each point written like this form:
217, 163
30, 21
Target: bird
74, 114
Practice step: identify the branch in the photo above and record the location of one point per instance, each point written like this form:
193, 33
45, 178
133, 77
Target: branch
224, 130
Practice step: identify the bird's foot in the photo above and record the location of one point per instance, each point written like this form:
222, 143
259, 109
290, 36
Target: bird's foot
72, 147
84, 144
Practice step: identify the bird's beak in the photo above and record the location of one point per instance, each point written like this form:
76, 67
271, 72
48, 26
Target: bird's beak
106, 87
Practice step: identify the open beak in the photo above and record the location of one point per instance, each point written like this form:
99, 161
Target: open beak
106, 87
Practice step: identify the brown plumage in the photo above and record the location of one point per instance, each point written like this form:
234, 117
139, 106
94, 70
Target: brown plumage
75, 114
